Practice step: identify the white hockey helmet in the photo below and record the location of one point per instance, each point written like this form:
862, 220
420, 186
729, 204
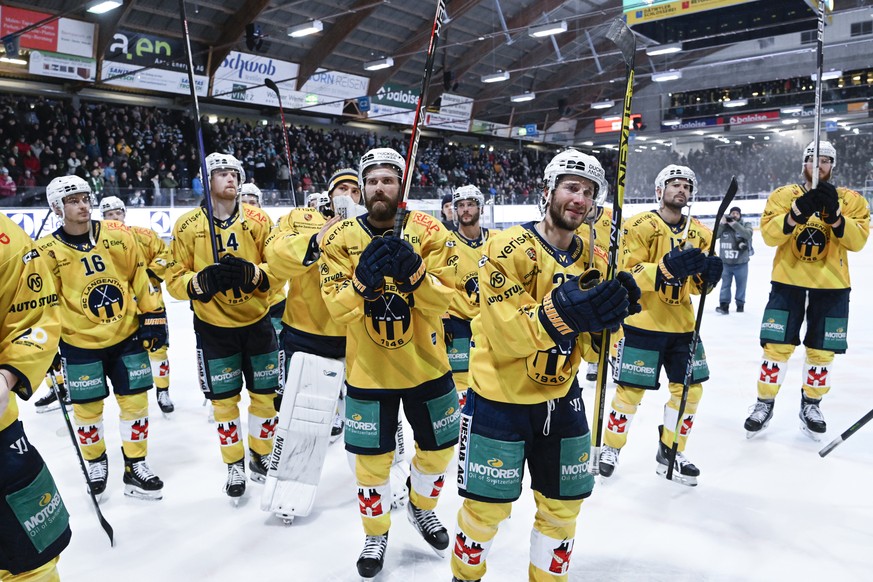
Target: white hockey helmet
673, 172
221, 161
576, 163
825, 149
250, 189
111, 203
380, 157
64, 186
468, 192
318, 200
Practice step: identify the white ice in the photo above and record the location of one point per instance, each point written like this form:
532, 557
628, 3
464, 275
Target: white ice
766, 509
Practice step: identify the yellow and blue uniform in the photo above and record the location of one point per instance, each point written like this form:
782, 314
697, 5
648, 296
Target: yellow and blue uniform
156, 256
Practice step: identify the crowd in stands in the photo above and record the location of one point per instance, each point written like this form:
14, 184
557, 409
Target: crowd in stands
148, 156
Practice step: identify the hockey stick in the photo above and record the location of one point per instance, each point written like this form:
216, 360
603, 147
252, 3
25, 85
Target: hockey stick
626, 41
275, 88
420, 109
204, 171
846, 434
103, 523
695, 337
819, 56
44, 220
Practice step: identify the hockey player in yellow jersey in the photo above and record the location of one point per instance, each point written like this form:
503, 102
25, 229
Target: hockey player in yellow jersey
30, 328
813, 230
156, 255
468, 239
525, 403
391, 294
110, 314
663, 250
230, 299
598, 223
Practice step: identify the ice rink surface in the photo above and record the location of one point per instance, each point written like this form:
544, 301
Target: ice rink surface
766, 509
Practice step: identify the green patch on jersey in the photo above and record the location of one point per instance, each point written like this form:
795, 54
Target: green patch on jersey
139, 371
362, 423
493, 468
266, 370
576, 481
86, 382
445, 417
225, 374
40, 510
835, 334
774, 325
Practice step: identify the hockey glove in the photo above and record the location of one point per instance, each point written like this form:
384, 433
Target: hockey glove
369, 277
568, 310
153, 330
406, 267
244, 275
206, 283
712, 269
829, 202
804, 207
633, 292
681, 263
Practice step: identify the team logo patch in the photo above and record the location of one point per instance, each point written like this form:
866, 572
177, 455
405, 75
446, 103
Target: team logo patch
497, 280
531, 254
811, 243
103, 300
470, 282
370, 502
561, 557
388, 321
468, 551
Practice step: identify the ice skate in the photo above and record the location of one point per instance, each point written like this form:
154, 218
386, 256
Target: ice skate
684, 471
50, 402
236, 481
336, 429
429, 526
812, 422
591, 373
259, 465
608, 461
373, 557
164, 402
139, 480
760, 417
98, 472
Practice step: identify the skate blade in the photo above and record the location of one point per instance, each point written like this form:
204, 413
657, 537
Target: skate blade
677, 477
98, 496
49, 408
167, 415
335, 437
816, 436
257, 477
137, 493
750, 434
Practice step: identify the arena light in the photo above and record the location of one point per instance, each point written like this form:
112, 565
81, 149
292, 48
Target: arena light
524, 97
736, 103
103, 6
671, 123
13, 60
603, 104
498, 77
549, 29
379, 64
305, 29
671, 75
828, 75
664, 49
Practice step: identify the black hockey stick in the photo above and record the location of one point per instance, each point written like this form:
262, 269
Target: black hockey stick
44, 220
420, 109
626, 41
819, 56
204, 171
103, 523
695, 337
275, 88
846, 434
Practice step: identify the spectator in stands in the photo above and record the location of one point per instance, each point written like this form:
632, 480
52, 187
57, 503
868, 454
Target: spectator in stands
7, 185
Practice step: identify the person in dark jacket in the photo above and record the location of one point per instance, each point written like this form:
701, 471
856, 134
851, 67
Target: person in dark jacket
734, 248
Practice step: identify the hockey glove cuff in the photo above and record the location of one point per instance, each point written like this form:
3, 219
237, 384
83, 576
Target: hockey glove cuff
568, 309
153, 329
407, 267
205, 284
369, 277
681, 263
244, 275
804, 207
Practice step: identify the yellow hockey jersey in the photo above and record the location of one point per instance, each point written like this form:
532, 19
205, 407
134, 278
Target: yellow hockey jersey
812, 255
513, 358
102, 288
191, 252
466, 256
397, 340
646, 238
602, 229
155, 255
289, 252
31, 324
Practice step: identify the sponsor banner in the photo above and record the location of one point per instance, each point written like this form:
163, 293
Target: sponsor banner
746, 118
826, 109
337, 85
691, 124
857, 107
613, 124
394, 96
446, 122
137, 77
456, 106
490, 128
661, 9
390, 113
64, 35
62, 66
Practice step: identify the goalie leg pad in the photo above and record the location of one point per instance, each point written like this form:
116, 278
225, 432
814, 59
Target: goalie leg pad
302, 434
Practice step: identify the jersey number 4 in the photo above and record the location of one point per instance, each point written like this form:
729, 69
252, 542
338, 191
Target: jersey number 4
231, 242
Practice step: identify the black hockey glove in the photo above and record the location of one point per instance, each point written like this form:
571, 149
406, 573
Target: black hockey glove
243, 275
829, 202
406, 267
633, 292
153, 329
369, 277
207, 283
712, 268
568, 310
681, 263
804, 207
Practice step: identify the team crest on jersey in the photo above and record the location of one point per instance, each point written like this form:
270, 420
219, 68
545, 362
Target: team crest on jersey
531, 254
811, 243
452, 261
103, 300
671, 292
551, 366
470, 282
233, 297
388, 320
